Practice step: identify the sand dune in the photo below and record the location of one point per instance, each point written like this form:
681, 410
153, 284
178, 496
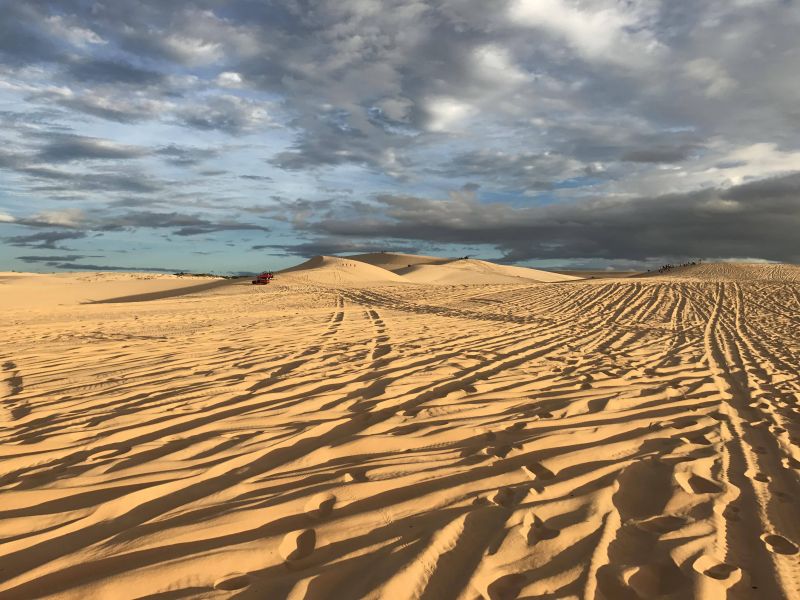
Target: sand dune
33, 290
471, 271
394, 261
604, 439
334, 270
735, 272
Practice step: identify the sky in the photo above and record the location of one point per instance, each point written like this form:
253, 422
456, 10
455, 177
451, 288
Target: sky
234, 136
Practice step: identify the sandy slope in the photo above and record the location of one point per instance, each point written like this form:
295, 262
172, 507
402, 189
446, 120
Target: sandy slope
472, 271
735, 272
33, 290
334, 270
394, 261
609, 439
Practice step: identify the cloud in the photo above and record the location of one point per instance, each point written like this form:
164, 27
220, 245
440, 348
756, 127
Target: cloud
229, 114
597, 30
186, 156
96, 70
758, 219
526, 171
68, 148
55, 259
44, 239
332, 246
73, 266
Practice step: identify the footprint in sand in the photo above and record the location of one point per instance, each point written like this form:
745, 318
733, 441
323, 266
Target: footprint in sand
516, 426
726, 574
534, 529
695, 484
789, 462
538, 472
507, 587
356, 475
498, 451
298, 544
654, 580
505, 497
320, 506
779, 544
232, 581
729, 512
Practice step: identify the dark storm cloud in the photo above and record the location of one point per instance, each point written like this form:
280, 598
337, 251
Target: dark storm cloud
256, 177
181, 224
758, 219
21, 39
336, 246
229, 114
68, 148
658, 154
66, 181
72, 266
112, 72
524, 171
44, 239
50, 259
185, 156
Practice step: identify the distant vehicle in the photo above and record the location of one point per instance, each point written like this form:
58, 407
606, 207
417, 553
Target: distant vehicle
263, 278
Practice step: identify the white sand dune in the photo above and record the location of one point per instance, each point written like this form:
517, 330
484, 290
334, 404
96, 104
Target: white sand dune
735, 272
607, 439
335, 270
394, 261
34, 290
472, 271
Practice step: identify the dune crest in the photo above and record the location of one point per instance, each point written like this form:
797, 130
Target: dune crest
394, 261
335, 270
473, 271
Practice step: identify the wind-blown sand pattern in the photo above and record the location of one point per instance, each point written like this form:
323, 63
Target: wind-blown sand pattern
616, 439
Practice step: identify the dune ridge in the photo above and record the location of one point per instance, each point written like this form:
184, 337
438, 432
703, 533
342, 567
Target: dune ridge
633, 438
336, 270
734, 272
398, 268
394, 261
472, 271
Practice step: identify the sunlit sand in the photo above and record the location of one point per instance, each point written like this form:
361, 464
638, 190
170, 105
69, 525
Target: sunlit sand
390, 426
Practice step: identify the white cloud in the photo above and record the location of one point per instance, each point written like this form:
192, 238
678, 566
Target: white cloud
757, 160
69, 217
712, 74
495, 65
446, 114
6, 218
194, 50
601, 33
75, 35
229, 79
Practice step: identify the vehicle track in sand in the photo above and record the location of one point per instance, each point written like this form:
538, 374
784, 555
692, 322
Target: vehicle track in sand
598, 439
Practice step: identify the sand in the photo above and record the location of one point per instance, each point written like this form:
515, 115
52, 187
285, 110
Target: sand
394, 261
333, 270
24, 291
480, 272
343, 437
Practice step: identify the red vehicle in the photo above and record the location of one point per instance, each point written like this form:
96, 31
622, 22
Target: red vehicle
263, 278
